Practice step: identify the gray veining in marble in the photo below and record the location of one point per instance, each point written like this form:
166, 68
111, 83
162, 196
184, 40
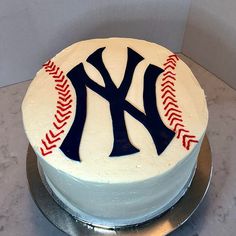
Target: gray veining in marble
215, 216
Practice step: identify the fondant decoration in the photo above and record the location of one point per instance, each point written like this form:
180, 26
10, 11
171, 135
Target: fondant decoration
171, 107
63, 111
161, 135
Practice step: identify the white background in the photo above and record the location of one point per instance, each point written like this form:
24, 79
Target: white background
210, 37
33, 31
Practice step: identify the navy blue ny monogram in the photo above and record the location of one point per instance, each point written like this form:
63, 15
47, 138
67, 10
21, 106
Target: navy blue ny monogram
151, 120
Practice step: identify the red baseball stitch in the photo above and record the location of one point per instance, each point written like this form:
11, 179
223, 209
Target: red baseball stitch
64, 94
175, 119
167, 92
44, 153
172, 110
51, 68
182, 130
170, 98
170, 62
168, 86
56, 135
168, 82
59, 126
62, 89
59, 80
171, 59
168, 77
168, 73
61, 120
171, 104
174, 114
51, 141
174, 56
169, 67
176, 125
58, 76
64, 104
189, 141
65, 98
63, 111
63, 115
47, 146
64, 108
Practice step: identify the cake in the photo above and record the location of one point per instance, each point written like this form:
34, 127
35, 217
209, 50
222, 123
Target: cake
117, 125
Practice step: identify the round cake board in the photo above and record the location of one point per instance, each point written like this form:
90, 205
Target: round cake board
162, 225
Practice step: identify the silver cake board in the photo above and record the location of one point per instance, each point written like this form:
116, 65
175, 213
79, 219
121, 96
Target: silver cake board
162, 225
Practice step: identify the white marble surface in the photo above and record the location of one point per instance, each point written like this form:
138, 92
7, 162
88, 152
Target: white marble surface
217, 213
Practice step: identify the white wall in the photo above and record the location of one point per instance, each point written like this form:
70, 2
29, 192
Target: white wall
210, 37
32, 31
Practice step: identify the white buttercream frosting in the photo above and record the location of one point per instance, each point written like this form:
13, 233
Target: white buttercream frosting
141, 183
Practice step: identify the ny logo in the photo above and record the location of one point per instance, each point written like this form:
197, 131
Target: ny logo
116, 97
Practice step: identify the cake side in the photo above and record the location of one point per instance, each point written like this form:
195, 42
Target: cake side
121, 204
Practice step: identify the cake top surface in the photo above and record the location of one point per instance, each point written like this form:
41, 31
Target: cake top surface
114, 110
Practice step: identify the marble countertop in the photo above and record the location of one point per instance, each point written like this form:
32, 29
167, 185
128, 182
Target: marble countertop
216, 215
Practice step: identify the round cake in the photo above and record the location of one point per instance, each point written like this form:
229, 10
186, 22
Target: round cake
117, 125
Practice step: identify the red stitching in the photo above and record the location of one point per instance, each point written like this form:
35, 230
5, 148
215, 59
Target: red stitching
186, 136
47, 63
63, 108
175, 119
168, 86
50, 65
170, 98
58, 76
55, 135
64, 94
174, 56
59, 126
54, 72
64, 99
170, 63
51, 68
168, 82
51, 141
176, 125
172, 109
174, 115
59, 80
189, 141
62, 90
168, 77
182, 130
46, 146
63, 115
45, 153
170, 103
64, 104
166, 92
169, 67
61, 120
168, 72
171, 59
61, 86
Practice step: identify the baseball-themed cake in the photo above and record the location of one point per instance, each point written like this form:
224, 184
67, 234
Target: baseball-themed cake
117, 125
